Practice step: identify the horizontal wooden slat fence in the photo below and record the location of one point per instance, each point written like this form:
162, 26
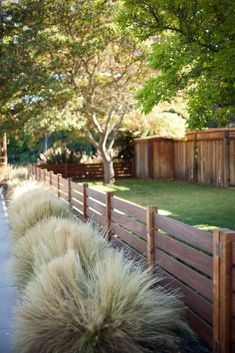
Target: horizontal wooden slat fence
199, 264
89, 171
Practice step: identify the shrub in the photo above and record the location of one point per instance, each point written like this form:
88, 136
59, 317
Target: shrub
60, 155
36, 205
51, 238
111, 307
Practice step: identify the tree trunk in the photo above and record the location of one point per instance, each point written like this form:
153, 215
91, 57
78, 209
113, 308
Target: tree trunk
109, 175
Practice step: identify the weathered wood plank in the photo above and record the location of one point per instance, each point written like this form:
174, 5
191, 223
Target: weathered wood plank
129, 208
194, 258
190, 277
191, 298
128, 223
101, 208
97, 195
203, 329
130, 239
193, 236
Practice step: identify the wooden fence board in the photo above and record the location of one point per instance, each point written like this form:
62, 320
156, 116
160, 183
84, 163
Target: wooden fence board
130, 224
203, 329
131, 209
194, 258
190, 297
100, 196
130, 239
98, 218
195, 280
77, 204
233, 304
131, 253
193, 236
233, 330
97, 206
77, 187
77, 196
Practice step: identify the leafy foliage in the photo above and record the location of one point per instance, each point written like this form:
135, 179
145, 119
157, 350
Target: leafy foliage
192, 51
73, 68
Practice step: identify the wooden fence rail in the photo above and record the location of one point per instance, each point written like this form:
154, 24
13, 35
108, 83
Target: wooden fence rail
199, 264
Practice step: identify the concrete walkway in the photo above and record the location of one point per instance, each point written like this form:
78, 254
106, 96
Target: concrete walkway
7, 290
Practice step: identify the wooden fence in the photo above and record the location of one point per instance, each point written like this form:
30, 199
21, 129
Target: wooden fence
89, 171
206, 157
3, 149
201, 265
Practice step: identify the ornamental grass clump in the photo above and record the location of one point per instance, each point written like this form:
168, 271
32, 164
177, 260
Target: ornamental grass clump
25, 193
112, 306
51, 238
40, 205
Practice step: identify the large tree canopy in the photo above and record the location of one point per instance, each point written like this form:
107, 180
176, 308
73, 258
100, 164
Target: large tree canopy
66, 63
193, 52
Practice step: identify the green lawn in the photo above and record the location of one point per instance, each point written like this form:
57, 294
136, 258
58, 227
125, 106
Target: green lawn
205, 207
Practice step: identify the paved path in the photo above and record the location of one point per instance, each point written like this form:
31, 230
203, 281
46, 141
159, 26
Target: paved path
7, 290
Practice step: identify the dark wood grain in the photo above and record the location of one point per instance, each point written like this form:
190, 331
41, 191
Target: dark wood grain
194, 258
190, 277
191, 235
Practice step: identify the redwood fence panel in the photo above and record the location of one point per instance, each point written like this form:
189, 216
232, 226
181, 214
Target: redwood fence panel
206, 157
198, 264
184, 158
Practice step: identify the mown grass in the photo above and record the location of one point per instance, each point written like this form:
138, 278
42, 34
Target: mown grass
203, 206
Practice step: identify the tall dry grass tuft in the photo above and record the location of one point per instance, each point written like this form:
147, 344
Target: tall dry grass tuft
110, 307
51, 238
10, 187
24, 193
36, 206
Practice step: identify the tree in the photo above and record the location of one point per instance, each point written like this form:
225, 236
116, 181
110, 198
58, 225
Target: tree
73, 67
193, 51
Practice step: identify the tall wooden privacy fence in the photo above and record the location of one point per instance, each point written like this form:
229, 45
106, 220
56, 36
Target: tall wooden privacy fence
89, 171
199, 264
206, 157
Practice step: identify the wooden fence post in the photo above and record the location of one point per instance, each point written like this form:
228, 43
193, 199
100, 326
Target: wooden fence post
44, 175
39, 173
151, 246
36, 172
50, 177
222, 291
70, 191
216, 290
109, 196
58, 184
85, 186
4, 148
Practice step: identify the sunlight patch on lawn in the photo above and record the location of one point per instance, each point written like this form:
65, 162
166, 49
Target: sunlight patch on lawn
99, 186
165, 213
207, 227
